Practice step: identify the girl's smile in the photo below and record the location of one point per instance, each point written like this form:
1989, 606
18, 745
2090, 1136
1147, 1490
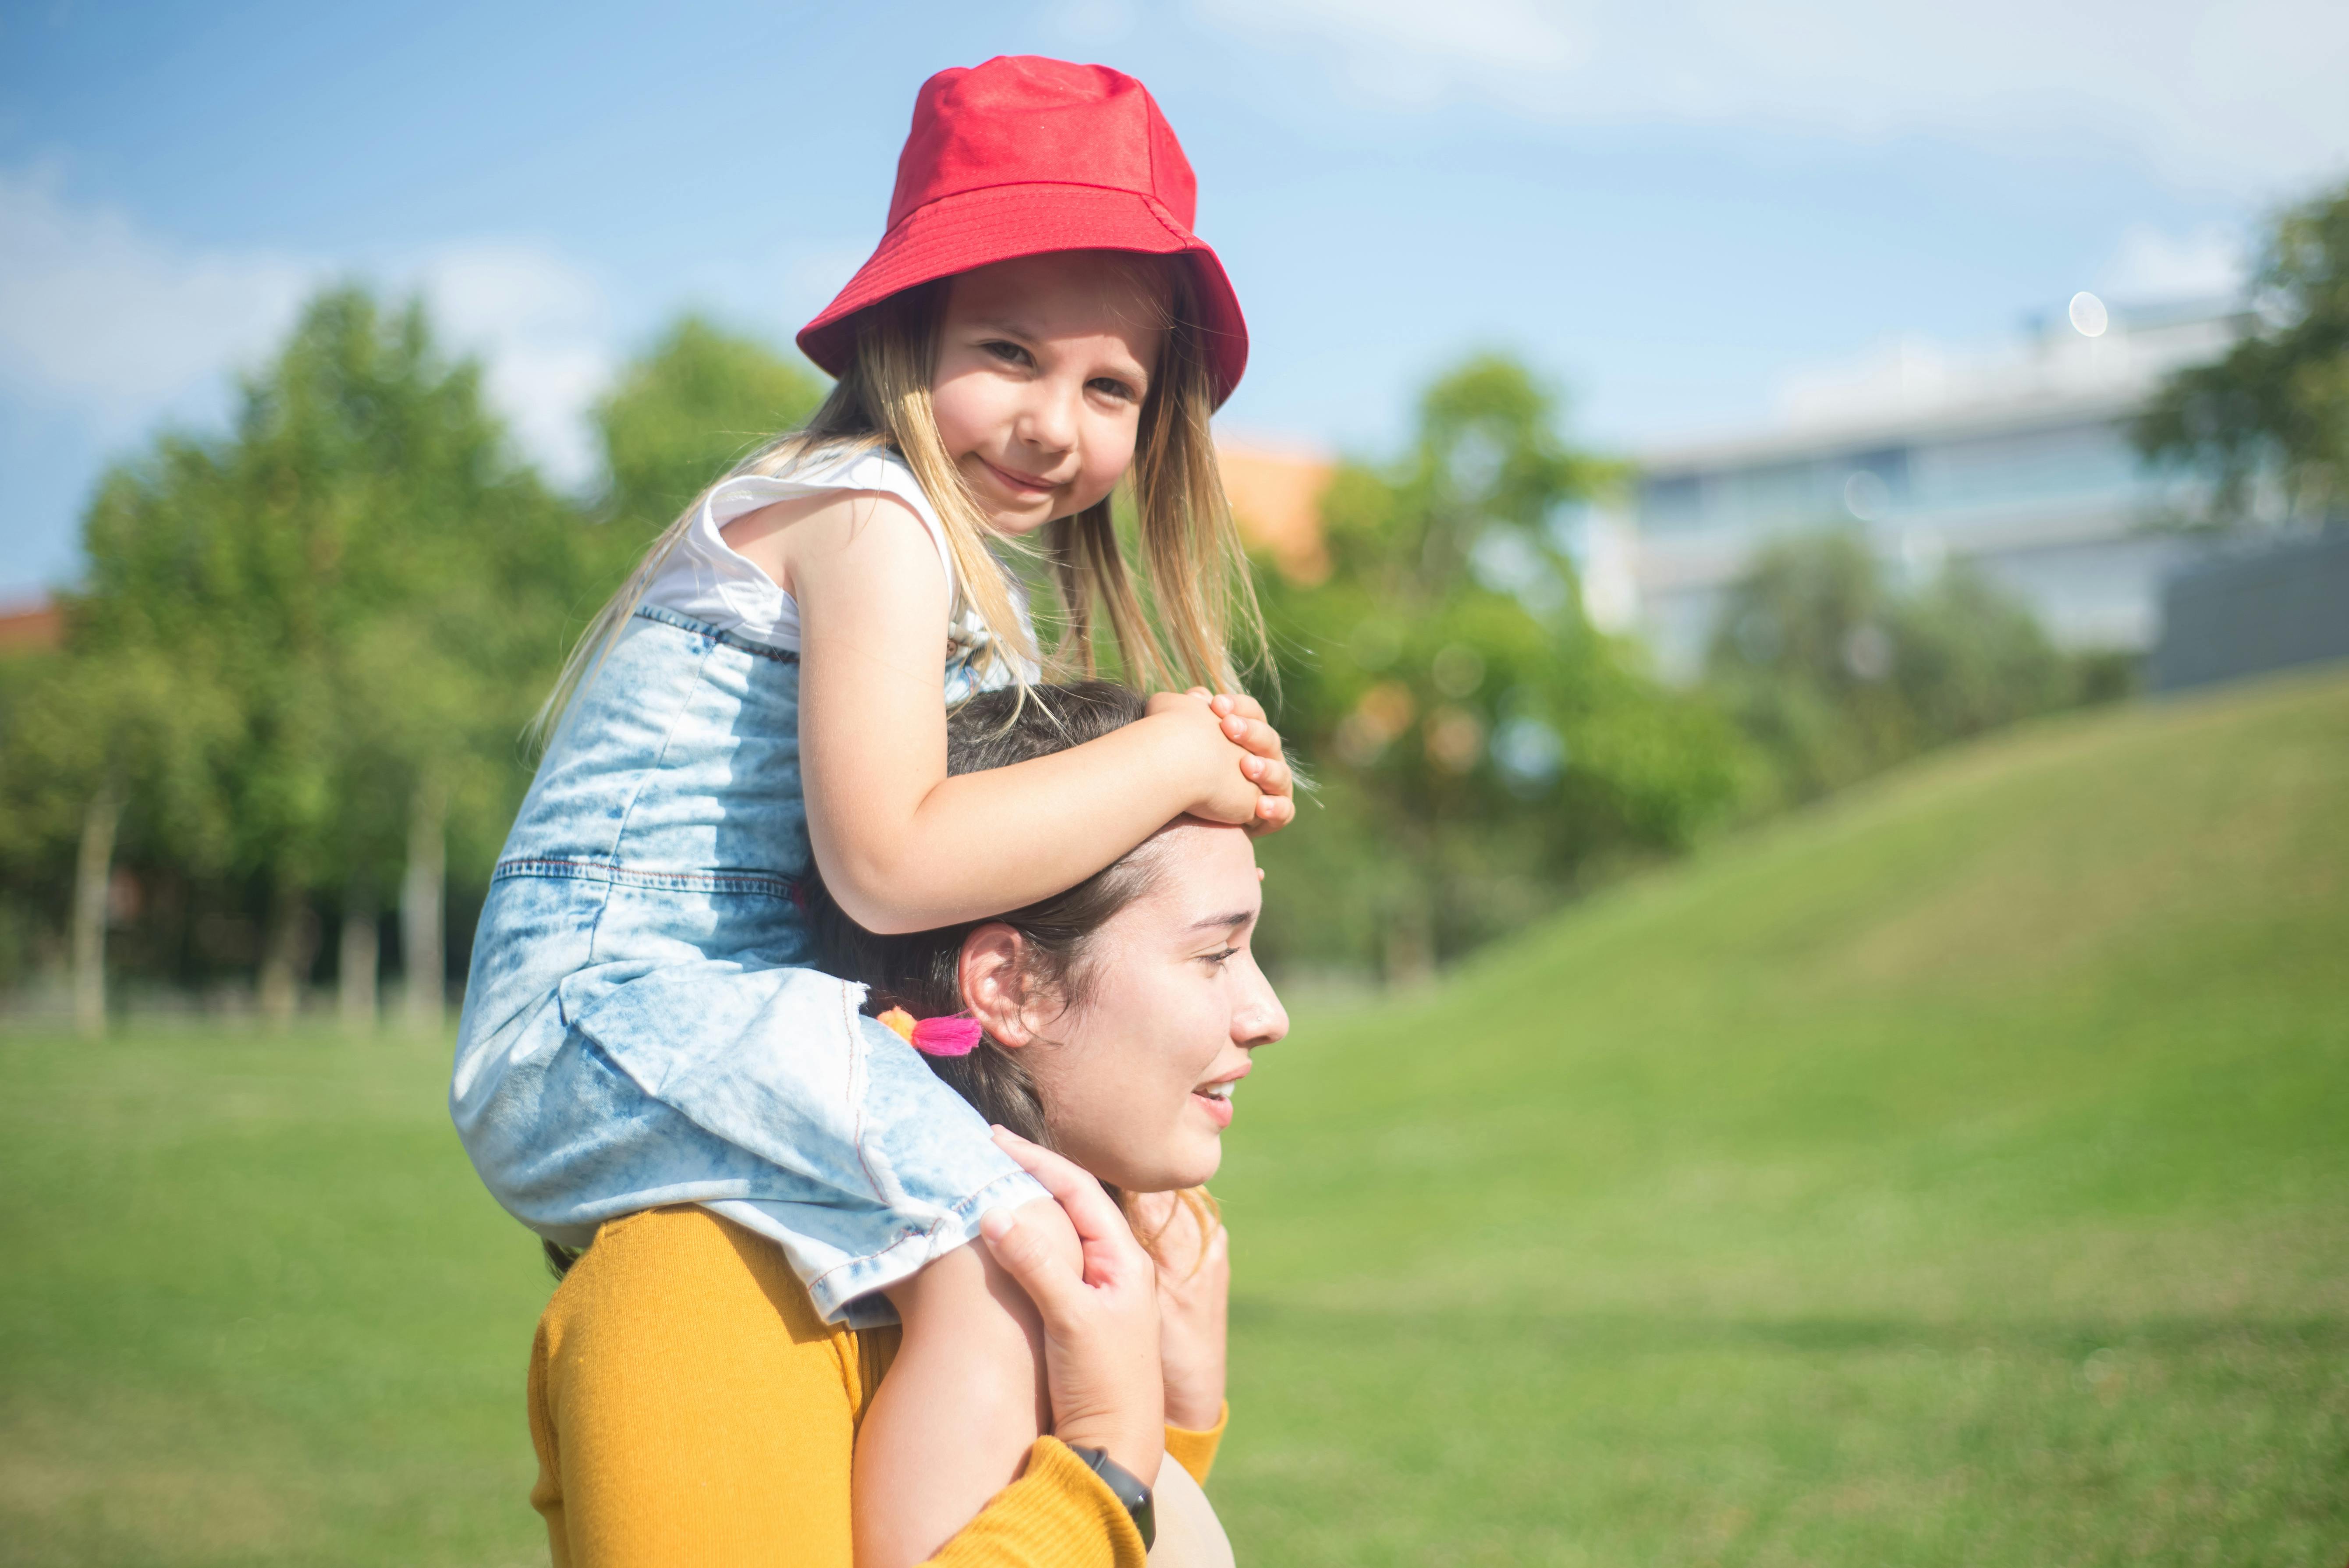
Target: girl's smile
1042, 367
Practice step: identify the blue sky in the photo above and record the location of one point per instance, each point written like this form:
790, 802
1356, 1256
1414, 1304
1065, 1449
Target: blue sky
1669, 208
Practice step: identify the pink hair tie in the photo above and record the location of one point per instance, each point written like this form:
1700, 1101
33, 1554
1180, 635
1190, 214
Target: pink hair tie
935, 1037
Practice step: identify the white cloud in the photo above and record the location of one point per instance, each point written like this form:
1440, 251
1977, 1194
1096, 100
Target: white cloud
2150, 264
125, 327
540, 326
2214, 96
97, 314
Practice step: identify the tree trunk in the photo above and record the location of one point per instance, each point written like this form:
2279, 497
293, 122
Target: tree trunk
93, 874
423, 945
355, 965
1409, 937
286, 953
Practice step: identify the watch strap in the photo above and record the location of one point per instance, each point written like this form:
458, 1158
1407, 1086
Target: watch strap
1126, 1486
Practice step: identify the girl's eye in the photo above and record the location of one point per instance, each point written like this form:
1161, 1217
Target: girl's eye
1010, 353
1108, 388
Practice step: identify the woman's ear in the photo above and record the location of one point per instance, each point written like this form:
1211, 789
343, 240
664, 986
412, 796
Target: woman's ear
993, 976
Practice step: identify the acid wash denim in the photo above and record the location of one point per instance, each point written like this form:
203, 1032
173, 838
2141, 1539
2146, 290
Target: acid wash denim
641, 1026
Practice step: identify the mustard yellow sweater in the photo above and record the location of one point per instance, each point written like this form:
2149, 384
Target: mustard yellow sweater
689, 1408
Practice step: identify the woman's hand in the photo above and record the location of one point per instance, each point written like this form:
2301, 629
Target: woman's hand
1195, 1290
1100, 1312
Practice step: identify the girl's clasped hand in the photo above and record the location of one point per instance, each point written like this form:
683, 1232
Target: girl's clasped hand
764, 704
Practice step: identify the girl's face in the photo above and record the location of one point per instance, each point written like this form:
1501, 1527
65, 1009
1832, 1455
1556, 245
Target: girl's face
1042, 363
1137, 1077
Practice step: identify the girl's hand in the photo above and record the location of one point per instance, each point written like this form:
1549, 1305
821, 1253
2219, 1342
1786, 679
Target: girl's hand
1195, 1289
1101, 1317
1266, 765
1211, 755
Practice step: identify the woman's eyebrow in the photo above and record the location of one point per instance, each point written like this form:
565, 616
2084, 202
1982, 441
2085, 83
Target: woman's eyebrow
1223, 921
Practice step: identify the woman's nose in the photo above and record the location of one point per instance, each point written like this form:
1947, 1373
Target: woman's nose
1260, 1019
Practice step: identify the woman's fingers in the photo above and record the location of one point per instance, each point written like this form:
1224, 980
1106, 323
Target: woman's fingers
1047, 1268
1100, 1322
1110, 1252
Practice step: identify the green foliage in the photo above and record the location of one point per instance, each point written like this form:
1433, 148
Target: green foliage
692, 406
1834, 676
1951, 1177
2276, 408
1478, 745
288, 632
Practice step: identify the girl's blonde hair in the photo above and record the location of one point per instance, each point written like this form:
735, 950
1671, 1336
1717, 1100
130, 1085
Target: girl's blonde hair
1200, 599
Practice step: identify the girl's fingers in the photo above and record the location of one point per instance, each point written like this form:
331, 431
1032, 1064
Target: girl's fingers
1240, 703
1253, 735
1273, 813
1273, 777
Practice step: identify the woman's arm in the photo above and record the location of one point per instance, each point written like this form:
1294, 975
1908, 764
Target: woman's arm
690, 1411
902, 846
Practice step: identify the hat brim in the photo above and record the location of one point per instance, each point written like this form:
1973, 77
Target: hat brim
978, 227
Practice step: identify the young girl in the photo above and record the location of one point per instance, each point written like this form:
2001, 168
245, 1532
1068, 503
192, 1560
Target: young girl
767, 695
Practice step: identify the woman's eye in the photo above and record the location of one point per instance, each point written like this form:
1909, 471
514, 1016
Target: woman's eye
1221, 958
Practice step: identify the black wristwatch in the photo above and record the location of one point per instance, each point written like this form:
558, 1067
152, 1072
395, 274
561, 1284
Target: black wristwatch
1128, 1488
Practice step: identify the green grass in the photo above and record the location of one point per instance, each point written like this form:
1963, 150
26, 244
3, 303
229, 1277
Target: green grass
1956, 1175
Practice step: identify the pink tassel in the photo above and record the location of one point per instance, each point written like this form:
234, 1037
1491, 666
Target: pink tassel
945, 1036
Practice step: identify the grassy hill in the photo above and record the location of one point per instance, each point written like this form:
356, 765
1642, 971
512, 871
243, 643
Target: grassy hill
1955, 1175
1958, 1174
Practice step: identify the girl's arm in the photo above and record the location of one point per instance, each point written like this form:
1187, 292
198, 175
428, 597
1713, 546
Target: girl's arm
902, 846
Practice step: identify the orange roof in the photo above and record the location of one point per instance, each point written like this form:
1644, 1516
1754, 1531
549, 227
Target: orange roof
1275, 498
28, 626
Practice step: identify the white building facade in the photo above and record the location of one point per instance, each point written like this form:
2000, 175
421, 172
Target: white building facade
2017, 461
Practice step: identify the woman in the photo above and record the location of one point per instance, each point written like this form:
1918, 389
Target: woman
688, 1406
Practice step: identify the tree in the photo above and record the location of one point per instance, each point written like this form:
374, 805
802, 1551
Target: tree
364, 565
96, 753
2275, 411
680, 415
1834, 676
1479, 746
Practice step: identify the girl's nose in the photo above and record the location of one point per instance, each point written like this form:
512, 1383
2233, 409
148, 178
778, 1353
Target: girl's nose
1048, 420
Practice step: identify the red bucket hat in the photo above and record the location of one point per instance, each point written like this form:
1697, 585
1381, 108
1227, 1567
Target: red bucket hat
1024, 155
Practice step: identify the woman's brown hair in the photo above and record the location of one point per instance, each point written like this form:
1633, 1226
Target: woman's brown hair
921, 971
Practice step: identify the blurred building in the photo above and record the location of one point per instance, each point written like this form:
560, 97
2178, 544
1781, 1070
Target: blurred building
1276, 495
39, 625
2016, 461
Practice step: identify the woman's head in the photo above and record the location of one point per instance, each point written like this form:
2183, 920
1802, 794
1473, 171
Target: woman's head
1118, 1016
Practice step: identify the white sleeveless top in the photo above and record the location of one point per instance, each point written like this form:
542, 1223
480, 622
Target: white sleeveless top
706, 579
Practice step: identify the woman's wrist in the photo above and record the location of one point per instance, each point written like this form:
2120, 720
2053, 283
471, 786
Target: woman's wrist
1137, 1448
1195, 1411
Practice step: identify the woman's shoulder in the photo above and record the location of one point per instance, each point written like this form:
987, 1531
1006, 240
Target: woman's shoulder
680, 1273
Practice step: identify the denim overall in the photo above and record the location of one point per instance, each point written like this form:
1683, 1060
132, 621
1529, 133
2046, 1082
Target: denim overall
640, 1026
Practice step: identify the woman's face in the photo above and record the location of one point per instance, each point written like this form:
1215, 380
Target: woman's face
1137, 1075
1043, 365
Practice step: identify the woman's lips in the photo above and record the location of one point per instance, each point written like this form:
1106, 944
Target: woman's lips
1219, 1111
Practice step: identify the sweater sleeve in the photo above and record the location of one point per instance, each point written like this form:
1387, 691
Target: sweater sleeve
1196, 1451
688, 1406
